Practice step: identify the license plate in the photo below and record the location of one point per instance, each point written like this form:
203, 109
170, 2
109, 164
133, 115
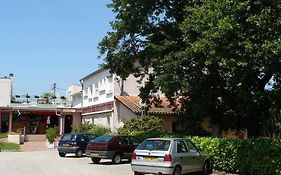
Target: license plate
150, 158
66, 145
94, 154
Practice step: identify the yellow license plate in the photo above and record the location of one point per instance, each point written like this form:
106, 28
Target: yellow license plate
150, 158
94, 154
65, 144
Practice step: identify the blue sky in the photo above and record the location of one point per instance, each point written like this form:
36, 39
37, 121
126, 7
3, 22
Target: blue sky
51, 41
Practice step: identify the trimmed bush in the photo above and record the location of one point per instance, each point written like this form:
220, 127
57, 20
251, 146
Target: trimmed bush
51, 134
92, 128
142, 124
260, 156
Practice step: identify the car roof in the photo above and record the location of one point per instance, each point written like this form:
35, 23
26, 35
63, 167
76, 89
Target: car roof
78, 133
171, 139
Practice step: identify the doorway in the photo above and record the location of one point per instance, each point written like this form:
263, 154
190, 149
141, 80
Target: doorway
4, 122
68, 120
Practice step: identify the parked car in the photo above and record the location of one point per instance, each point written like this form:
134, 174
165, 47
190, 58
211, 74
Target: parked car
114, 147
174, 156
74, 143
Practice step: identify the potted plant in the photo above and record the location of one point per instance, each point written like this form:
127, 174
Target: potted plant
51, 134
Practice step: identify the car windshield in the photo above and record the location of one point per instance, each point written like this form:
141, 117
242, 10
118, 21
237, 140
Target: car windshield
68, 137
157, 145
103, 139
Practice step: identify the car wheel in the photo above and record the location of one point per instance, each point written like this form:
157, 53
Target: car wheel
62, 154
137, 173
79, 153
116, 159
206, 168
177, 171
96, 160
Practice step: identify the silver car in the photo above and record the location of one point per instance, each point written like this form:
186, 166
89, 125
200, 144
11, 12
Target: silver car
174, 156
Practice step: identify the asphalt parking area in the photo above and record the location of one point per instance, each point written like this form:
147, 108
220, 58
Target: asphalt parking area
49, 163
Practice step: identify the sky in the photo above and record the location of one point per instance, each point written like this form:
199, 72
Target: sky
43, 42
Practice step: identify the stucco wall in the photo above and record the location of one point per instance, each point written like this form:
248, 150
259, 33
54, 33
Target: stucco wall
5, 91
76, 119
102, 119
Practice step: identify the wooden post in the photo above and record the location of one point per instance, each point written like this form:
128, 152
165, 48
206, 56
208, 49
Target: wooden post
0, 122
10, 121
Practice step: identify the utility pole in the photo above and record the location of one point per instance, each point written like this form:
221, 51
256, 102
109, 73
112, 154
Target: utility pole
54, 88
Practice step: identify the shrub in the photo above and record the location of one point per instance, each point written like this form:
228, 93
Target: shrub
86, 127
142, 124
149, 134
51, 134
260, 156
91, 128
99, 130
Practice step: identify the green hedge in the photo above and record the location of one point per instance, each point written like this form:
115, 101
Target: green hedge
247, 157
92, 128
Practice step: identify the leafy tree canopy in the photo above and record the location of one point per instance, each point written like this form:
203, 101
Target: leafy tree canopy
219, 56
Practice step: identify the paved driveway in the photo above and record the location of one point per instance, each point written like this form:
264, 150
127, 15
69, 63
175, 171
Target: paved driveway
49, 163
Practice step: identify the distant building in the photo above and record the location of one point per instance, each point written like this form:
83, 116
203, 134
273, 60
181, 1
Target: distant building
6, 89
28, 113
74, 95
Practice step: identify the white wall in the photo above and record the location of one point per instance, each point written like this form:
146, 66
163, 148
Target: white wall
121, 114
98, 88
5, 91
130, 86
102, 119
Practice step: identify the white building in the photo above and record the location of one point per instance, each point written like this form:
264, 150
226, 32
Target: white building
74, 95
108, 101
98, 103
6, 89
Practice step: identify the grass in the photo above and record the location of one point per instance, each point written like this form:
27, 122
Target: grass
9, 146
3, 135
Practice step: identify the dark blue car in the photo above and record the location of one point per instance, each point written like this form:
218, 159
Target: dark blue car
74, 143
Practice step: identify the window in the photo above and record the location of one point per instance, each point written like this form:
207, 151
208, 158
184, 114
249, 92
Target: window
190, 146
159, 145
181, 148
135, 141
124, 141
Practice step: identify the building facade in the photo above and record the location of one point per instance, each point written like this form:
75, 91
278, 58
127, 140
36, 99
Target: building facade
101, 104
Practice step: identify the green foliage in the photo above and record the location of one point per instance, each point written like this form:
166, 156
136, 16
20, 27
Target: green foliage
52, 133
99, 130
3, 135
92, 128
219, 56
85, 127
142, 124
260, 156
248, 157
9, 146
149, 134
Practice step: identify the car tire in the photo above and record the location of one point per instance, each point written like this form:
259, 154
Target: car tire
206, 168
96, 160
137, 173
177, 170
62, 154
116, 159
79, 153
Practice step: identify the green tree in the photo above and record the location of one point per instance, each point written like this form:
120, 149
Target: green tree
218, 56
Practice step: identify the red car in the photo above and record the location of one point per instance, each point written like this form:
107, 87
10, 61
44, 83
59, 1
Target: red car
114, 147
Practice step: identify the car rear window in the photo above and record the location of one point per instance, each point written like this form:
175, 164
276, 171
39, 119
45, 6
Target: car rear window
157, 145
103, 139
68, 137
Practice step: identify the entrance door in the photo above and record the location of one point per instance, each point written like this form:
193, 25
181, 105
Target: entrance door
68, 120
4, 122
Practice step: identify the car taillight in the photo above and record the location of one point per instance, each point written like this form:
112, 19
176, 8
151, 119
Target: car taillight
168, 158
74, 144
134, 156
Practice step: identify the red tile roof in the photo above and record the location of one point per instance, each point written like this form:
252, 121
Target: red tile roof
132, 103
